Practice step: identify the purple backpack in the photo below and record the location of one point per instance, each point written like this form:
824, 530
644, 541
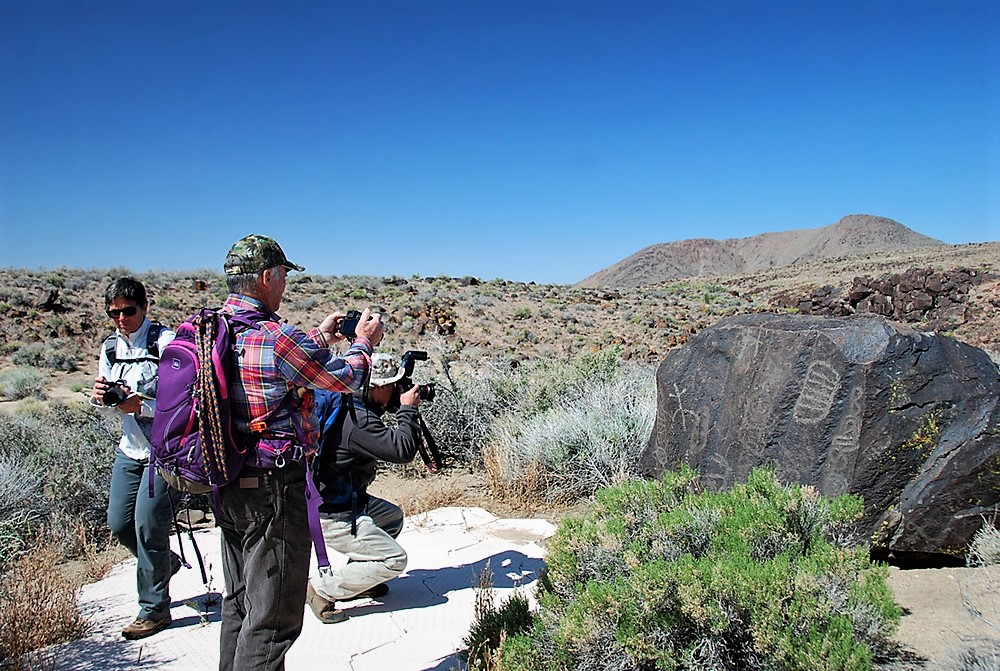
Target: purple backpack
194, 444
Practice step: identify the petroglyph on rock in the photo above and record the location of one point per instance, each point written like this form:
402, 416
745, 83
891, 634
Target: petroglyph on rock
818, 391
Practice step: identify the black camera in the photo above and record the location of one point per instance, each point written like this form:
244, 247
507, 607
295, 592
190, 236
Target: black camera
349, 325
115, 393
404, 383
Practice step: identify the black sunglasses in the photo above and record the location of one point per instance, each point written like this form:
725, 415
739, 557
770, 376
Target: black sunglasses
128, 312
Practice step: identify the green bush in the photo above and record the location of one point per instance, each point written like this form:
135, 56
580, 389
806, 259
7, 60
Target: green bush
22, 382
661, 575
50, 354
167, 303
493, 624
55, 471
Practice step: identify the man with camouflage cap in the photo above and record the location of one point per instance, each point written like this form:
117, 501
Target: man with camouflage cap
263, 514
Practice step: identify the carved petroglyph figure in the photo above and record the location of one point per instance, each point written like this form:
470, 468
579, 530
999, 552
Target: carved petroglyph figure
842, 460
700, 427
818, 391
749, 341
678, 395
847, 439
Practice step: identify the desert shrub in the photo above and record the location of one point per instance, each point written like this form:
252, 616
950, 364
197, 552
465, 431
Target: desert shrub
587, 440
308, 303
167, 303
590, 438
984, 550
557, 429
20, 500
985, 657
492, 624
22, 382
37, 606
664, 575
63, 456
52, 354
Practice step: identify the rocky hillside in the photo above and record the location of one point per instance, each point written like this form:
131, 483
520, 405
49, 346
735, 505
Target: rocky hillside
854, 235
53, 320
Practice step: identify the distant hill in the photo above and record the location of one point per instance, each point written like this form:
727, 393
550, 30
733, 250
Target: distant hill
854, 235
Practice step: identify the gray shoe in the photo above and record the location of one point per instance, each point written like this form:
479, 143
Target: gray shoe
326, 611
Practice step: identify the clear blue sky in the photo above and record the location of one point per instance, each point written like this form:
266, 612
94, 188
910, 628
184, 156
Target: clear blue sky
529, 140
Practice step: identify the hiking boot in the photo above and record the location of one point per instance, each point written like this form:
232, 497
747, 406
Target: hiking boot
141, 628
373, 592
326, 611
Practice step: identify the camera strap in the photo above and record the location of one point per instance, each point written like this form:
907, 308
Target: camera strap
428, 448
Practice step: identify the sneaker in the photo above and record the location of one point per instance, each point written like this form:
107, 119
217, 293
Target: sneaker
326, 611
374, 592
141, 628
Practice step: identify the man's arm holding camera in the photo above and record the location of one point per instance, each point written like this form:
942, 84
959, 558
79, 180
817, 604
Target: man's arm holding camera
307, 360
397, 444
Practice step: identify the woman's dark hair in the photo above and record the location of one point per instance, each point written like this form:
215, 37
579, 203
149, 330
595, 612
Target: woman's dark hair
128, 288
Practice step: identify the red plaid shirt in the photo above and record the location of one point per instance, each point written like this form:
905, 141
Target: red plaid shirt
278, 361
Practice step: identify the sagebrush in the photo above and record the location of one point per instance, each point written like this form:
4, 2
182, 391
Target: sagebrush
55, 472
662, 575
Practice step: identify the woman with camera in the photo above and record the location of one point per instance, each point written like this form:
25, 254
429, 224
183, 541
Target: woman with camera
126, 385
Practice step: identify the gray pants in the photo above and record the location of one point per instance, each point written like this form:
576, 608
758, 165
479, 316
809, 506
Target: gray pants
374, 554
265, 561
142, 524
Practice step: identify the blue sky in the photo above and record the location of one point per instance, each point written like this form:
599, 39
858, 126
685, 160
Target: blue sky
530, 140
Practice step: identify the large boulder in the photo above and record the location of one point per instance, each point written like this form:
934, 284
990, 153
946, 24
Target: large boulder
908, 420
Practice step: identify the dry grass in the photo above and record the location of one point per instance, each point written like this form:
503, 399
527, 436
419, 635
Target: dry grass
37, 607
430, 499
523, 483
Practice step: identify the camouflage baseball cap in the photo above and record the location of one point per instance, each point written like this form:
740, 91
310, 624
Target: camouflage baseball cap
255, 253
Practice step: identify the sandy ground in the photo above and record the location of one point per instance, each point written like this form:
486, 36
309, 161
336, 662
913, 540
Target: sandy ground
951, 617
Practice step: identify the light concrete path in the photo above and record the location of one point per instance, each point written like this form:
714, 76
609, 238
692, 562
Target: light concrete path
418, 626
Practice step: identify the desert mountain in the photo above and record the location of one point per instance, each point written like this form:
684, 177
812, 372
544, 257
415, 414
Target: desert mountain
854, 235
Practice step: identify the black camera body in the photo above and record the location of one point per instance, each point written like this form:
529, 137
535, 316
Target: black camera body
349, 325
405, 383
115, 393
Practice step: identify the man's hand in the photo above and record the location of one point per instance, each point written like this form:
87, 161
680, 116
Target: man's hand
411, 396
370, 327
100, 386
330, 328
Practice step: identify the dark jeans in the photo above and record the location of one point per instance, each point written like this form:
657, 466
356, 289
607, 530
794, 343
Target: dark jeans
142, 524
265, 560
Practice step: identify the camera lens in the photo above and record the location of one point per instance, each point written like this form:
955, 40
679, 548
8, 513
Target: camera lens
113, 396
427, 392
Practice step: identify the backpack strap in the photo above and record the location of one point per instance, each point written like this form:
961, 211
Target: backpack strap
110, 347
152, 346
313, 501
153, 339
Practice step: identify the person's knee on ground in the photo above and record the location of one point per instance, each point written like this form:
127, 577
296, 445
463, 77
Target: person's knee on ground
396, 563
